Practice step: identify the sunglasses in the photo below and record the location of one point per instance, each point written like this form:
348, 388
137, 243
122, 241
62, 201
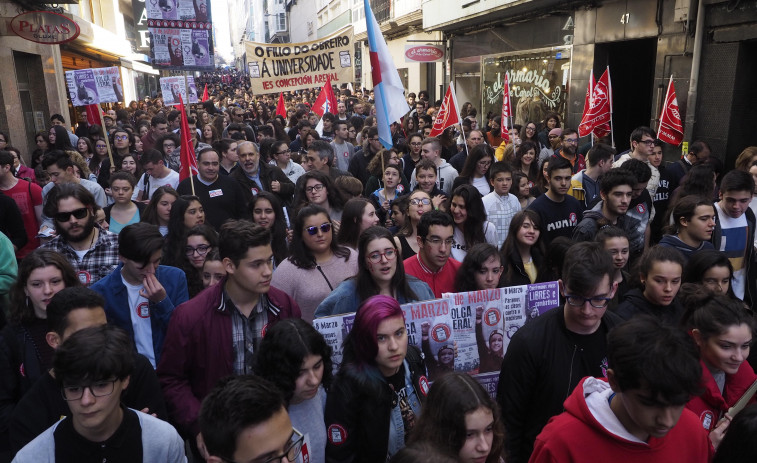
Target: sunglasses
66, 216
325, 228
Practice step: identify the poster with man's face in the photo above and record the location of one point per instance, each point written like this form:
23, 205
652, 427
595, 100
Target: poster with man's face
82, 88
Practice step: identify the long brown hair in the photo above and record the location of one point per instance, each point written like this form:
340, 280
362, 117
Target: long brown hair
20, 310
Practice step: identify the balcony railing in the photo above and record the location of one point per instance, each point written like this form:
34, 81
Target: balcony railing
382, 10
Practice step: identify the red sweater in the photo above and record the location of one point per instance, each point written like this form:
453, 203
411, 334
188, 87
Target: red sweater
440, 282
711, 405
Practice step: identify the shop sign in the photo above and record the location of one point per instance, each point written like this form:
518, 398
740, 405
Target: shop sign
423, 53
45, 27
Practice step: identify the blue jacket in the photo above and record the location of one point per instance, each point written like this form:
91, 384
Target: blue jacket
345, 298
117, 302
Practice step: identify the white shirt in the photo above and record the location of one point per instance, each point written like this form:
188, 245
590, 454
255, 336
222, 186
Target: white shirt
139, 311
171, 179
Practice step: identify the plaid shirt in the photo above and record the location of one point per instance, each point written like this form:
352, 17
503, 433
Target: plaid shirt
98, 262
246, 332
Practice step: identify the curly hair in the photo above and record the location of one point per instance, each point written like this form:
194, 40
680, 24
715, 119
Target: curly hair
283, 350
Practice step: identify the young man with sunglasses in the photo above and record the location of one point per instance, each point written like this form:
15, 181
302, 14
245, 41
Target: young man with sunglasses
92, 251
140, 294
548, 356
216, 333
93, 367
245, 419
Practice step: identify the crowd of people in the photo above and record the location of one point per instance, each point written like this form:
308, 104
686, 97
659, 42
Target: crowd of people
156, 312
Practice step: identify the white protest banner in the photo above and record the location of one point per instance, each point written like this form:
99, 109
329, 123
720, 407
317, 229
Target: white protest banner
108, 81
429, 328
172, 87
476, 320
334, 329
275, 68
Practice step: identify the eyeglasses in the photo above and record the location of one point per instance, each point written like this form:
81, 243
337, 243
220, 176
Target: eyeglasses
98, 389
647, 142
439, 241
579, 301
168, 145
291, 453
416, 143
121, 137
325, 228
284, 152
201, 250
100, 147
313, 188
571, 141
66, 216
375, 257
418, 202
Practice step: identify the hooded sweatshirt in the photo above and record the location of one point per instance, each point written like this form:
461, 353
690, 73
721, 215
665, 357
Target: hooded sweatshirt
635, 304
673, 241
445, 176
588, 430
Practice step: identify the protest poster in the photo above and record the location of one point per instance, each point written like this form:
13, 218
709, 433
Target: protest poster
429, 328
477, 329
276, 68
334, 329
192, 90
108, 81
172, 87
489, 381
82, 88
181, 34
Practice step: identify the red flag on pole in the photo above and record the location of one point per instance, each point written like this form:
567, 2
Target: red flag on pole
671, 126
205, 95
326, 101
448, 114
188, 157
93, 114
599, 107
281, 110
507, 112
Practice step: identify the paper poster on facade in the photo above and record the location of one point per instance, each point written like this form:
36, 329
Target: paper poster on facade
334, 329
109, 88
276, 67
171, 88
429, 328
180, 34
82, 88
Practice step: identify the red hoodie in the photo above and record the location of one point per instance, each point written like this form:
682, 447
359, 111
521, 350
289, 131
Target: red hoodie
711, 405
576, 436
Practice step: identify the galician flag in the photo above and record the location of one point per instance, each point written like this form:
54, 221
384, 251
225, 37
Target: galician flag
387, 86
448, 114
671, 126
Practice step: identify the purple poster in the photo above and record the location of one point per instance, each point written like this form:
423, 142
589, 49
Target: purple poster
200, 48
82, 88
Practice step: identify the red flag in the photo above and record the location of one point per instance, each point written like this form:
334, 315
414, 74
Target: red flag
326, 101
671, 127
93, 114
507, 112
281, 110
448, 114
600, 106
205, 95
188, 157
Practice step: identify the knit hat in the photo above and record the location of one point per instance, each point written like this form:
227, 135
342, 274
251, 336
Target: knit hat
557, 131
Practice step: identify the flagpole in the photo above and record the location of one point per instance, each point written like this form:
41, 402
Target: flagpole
591, 92
105, 134
454, 97
609, 91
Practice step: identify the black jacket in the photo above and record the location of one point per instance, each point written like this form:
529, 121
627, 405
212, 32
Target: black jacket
514, 273
268, 174
635, 304
359, 407
541, 368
